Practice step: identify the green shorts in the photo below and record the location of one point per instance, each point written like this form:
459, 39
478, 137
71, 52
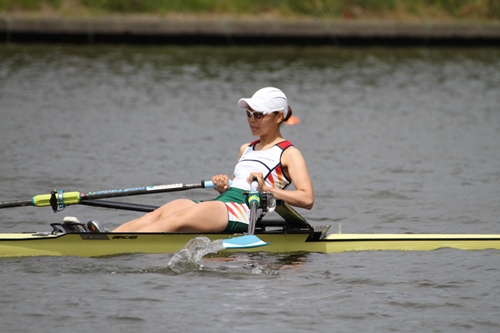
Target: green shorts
237, 209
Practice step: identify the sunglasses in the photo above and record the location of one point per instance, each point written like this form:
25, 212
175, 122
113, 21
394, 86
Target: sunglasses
256, 114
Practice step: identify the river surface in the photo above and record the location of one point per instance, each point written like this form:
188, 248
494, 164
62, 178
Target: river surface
397, 141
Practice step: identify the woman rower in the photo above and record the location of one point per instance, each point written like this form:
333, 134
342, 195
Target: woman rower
273, 160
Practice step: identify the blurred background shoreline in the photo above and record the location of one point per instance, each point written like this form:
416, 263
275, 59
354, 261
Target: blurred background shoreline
341, 22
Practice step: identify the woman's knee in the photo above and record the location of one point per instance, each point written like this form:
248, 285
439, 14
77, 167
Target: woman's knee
172, 207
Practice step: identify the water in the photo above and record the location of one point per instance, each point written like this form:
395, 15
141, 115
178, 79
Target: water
397, 140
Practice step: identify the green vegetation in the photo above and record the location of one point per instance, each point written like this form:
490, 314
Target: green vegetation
330, 9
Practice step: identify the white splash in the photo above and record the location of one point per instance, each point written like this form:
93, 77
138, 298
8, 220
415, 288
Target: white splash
189, 258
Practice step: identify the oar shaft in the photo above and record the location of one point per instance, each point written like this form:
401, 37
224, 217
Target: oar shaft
120, 205
137, 191
17, 203
145, 190
72, 198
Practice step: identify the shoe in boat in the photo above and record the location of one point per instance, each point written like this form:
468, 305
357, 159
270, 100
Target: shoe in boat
72, 224
95, 226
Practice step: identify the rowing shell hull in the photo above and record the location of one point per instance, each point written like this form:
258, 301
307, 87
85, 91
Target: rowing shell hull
106, 244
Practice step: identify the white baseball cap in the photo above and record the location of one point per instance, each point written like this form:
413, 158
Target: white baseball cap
266, 100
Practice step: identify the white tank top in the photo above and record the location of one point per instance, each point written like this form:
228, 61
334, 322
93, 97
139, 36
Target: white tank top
266, 161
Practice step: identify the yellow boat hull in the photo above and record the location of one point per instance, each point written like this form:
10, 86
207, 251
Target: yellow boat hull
106, 244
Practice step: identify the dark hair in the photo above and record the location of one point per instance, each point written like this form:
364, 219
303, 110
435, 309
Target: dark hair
289, 113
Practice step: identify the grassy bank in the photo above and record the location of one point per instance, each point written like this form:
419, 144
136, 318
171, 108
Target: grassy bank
327, 9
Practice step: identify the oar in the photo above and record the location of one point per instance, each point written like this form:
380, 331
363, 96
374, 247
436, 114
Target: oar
58, 199
120, 205
249, 240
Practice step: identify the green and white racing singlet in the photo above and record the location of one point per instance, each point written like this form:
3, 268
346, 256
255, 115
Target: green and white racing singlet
268, 162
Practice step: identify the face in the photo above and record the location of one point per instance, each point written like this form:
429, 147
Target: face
262, 123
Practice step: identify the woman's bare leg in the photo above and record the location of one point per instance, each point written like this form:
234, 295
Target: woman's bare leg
158, 214
208, 216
